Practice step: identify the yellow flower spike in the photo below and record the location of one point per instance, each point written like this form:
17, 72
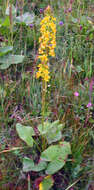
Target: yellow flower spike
47, 43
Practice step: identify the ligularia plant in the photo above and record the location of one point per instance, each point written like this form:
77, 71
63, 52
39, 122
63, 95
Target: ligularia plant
47, 43
52, 156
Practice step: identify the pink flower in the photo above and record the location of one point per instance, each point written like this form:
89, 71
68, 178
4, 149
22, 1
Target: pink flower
89, 105
81, 27
70, 9
76, 94
86, 79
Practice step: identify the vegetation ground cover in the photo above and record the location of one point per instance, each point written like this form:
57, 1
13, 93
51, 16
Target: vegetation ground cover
46, 94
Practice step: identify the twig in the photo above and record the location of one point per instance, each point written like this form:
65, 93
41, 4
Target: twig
13, 149
73, 183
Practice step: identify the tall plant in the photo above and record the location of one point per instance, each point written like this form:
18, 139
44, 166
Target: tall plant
53, 157
47, 46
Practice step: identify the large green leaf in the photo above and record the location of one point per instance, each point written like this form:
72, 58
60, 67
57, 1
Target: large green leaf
51, 153
28, 165
43, 129
53, 137
26, 18
52, 131
65, 149
6, 49
5, 66
54, 166
54, 152
25, 133
57, 156
47, 183
47, 126
10, 59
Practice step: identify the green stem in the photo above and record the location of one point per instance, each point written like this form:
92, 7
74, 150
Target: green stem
11, 23
44, 86
29, 182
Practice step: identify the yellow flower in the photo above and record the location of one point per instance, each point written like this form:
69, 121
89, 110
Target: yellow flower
40, 186
52, 53
47, 42
43, 58
38, 74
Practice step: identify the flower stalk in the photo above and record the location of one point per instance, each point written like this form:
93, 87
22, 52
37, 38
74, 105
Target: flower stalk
47, 44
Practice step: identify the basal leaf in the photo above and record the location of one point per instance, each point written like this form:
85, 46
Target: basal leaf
51, 153
25, 133
5, 66
53, 137
52, 131
57, 156
8, 60
54, 152
26, 18
28, 165
43, 129
54, 166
